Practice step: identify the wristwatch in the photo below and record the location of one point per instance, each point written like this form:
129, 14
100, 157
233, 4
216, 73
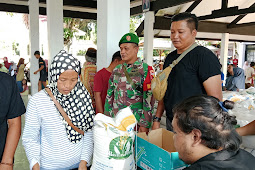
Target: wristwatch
156, 119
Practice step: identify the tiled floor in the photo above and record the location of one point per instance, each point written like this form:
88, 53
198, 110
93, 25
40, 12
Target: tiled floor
21, 162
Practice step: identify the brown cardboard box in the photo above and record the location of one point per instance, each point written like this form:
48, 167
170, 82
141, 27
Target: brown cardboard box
156, 151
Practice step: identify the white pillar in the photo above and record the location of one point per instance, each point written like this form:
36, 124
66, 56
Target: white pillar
224, 53
172, 48
112, 24
55, 28
34, 43
148, 37
241, 54
23, 50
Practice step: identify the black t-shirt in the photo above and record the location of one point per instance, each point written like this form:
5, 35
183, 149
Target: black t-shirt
226, 160
42, 63
11, 106
187, 77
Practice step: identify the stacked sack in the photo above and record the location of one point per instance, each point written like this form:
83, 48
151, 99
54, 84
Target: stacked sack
113, 141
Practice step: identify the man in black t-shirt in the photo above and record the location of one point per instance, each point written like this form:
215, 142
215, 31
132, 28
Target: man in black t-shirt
11, 108
197, 73
42, 70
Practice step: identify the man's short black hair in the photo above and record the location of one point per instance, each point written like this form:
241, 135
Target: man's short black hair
190, 18
252, 64
116, 55
37, 52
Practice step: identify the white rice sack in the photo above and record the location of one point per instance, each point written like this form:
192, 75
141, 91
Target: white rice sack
113, 141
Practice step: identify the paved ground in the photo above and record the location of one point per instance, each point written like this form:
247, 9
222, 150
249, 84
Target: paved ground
21, 162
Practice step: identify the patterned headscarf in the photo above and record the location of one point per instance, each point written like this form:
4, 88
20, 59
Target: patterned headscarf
77, 104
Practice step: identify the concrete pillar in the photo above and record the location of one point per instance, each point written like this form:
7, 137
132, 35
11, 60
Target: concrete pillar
34, 43
172, 48
112, 23
55, 28
23, 50
241, 54
148, 37
224, 53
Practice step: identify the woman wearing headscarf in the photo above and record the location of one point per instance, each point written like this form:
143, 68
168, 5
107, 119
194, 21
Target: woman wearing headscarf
235, 78
20, 73
49, 141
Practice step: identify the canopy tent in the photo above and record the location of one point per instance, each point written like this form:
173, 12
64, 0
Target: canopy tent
84, 9
236, 17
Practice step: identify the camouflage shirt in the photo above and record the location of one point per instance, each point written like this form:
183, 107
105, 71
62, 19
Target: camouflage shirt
121, 94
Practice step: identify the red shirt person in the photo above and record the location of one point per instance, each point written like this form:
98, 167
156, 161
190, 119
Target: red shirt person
6, 63
235, 61
101, 82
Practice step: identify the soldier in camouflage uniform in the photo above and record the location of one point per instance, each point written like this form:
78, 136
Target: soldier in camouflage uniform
129, 85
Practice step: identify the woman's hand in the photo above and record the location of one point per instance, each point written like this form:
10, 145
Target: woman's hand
6, 167
36, 167
82, 165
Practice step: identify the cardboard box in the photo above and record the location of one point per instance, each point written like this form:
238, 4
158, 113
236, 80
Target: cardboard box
156, 151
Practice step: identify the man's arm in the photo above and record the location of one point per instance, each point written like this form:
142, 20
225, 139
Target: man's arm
108, 107
247, 130
159, 113
42, 67
99, 104
213, 86
13, 135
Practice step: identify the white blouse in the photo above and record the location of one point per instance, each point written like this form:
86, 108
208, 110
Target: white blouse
45, 138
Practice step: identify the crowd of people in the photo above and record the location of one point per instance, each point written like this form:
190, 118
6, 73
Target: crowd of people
58, 131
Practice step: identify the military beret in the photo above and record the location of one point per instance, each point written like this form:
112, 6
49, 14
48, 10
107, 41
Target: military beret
129, 38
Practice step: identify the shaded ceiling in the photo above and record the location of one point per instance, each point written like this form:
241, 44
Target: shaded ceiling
236, 17
85, 9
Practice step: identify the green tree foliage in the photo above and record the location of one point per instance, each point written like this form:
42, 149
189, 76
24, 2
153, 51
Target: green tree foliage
15, 48
160, 53
72, 25
135, 21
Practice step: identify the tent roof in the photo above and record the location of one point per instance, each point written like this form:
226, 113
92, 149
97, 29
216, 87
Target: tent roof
236, 17
85, 9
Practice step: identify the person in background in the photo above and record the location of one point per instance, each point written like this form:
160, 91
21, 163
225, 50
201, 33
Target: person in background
6, 63
130, 85
42, 70
12, 69
3, 68
20, 73
205, 136
249, 76
245, 65
235, 78
88, 72
222, 76
25, 92
101, 82
49, 141
11, 109
160, 67
235, 61
197, 73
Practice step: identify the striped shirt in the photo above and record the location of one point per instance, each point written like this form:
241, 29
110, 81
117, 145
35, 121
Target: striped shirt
45, 138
